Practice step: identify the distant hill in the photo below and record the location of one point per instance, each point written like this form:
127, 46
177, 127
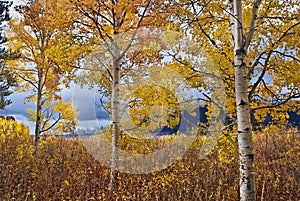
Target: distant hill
188, 121
294, 119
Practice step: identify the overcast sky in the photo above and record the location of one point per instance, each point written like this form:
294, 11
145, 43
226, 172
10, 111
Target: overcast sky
91, 115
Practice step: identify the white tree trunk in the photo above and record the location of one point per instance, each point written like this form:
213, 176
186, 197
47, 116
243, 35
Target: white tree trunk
244, 135
115, 107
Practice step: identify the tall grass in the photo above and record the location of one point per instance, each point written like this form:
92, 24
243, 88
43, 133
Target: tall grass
64, 170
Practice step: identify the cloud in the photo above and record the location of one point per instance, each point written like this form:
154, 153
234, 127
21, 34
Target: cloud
18, 107
93, 124
91, 115
87, 104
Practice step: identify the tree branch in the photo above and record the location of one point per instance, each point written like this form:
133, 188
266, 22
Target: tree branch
200, 26
29, 81
287, 55
136, 29
50, 127
260, 78
286, 31
278, 104
252, 23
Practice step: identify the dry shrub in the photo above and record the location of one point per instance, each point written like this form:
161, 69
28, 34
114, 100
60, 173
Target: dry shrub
278, 163
64, 170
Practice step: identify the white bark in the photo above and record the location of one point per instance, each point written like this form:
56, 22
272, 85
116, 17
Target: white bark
252, 23
244, 135
115, 105
115, 100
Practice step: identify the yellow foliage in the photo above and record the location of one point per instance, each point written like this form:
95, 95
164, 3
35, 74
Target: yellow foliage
49, 53
12, 131
272, 56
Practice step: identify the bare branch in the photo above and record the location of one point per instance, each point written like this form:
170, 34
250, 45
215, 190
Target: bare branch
278, 104
260, 78
193, 69
287, 55
252, 23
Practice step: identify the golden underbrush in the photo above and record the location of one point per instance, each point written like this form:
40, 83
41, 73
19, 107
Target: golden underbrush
65, 170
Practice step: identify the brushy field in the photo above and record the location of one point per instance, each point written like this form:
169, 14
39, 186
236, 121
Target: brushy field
64, 170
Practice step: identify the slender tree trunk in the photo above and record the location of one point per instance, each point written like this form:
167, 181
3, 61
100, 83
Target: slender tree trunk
115, 105
115, 100
38, 121
244, 135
